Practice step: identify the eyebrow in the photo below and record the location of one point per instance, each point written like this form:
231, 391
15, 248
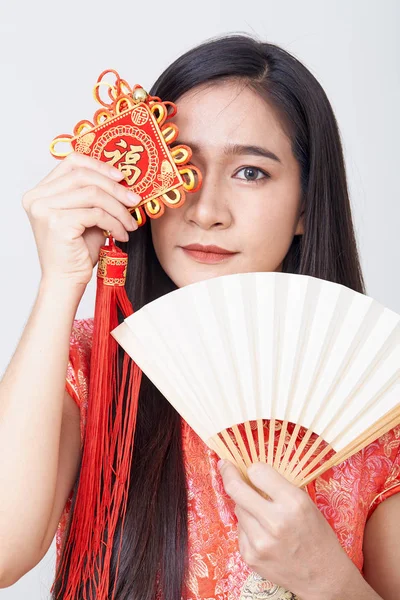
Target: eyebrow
237, 149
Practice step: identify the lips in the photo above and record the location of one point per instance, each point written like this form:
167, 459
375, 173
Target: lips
209, 255
208, 249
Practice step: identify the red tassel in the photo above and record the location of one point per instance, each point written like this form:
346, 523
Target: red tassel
108, 444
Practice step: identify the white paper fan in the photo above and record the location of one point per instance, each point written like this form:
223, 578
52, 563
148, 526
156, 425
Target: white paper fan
288, 369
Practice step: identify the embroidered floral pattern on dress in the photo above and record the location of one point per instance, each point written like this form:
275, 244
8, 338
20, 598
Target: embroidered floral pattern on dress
346, 495
258, 588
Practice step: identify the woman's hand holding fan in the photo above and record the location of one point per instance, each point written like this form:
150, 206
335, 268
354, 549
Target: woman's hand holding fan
287, 540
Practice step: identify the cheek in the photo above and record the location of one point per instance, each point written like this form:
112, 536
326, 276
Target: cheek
267, 235
268, 225
271, 211
163, 232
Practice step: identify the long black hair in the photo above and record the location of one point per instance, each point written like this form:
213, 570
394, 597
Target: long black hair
155, 537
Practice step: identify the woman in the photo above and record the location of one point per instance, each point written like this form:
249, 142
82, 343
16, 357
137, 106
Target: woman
275, 196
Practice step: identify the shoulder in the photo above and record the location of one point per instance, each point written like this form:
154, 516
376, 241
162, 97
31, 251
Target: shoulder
376, 459
82, 332
364, 479
81, 340
80, 346
390, 441
388, 449
385, 449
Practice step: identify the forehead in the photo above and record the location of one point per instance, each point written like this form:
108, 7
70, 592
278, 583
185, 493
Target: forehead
229, 112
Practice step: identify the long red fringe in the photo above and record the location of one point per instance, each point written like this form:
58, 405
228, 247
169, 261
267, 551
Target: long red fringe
108, 445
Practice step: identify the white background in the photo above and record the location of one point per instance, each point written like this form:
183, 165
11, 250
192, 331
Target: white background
51, 54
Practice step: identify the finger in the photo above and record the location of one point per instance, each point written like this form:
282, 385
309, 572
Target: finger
250, 525
243, 495
255, 541
243, 543
75, 160
90, 197
268, 480
83, 177
84, 218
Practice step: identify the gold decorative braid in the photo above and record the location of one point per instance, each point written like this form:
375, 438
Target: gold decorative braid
106, 263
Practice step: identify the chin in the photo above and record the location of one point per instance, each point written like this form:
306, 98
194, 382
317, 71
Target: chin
184, 276
182, 280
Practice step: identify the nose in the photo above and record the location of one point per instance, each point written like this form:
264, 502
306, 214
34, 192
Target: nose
209, 207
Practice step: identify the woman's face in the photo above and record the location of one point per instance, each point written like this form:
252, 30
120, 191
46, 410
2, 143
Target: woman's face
248, 204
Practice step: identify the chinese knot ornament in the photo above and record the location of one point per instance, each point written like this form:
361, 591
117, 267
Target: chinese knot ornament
133, 133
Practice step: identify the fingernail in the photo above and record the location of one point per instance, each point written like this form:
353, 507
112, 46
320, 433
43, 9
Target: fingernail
220, 464
133, 198
116, 174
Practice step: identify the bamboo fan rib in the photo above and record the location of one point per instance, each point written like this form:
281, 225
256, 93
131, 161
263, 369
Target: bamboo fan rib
292, 370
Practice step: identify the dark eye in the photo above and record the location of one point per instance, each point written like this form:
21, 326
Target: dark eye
252, 173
